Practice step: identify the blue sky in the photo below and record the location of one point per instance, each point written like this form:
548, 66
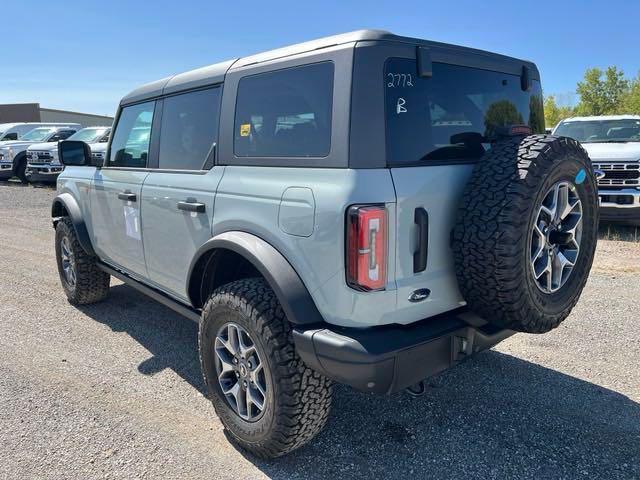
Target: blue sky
85, 55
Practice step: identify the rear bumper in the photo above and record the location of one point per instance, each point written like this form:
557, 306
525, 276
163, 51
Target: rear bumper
391, 358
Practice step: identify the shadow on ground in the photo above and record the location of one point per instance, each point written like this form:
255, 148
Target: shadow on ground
496, 416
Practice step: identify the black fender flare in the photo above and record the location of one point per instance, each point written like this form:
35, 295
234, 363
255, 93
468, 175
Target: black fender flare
67, 202
291, 292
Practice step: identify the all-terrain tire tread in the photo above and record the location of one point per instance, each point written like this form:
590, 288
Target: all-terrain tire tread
304, 403
491, 230
92, 284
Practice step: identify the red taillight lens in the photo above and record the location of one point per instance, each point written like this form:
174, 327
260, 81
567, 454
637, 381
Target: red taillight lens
367, 247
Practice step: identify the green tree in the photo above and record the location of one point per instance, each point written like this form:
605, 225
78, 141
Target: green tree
602, 96
553, 113
502, 113
631, 100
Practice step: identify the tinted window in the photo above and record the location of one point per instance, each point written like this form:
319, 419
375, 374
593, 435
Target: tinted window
62, 135
285, 113
10, 136
189, 130
455, 113
130, 145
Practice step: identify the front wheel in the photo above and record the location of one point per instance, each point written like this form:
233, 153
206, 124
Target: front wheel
83, 282
265, 396
20, 169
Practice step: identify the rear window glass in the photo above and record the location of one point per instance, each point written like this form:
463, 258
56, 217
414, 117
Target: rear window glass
286, 113
454, 114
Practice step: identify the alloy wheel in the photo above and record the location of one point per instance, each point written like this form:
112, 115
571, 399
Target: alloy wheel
555, 238
241, 372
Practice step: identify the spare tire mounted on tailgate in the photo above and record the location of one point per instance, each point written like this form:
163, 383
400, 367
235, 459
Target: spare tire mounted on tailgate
526, 232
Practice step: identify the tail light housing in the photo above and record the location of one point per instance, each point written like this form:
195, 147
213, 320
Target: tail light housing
367, 247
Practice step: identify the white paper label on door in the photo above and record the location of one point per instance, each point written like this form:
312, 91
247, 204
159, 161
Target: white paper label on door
132, 222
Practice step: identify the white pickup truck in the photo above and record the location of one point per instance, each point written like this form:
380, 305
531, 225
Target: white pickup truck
43, 164
14, 131
613, 143
13, 158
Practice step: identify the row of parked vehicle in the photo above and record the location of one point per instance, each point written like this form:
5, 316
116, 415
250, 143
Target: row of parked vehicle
29, 151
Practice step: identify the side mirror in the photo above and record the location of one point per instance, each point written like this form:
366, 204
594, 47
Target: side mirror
74, 153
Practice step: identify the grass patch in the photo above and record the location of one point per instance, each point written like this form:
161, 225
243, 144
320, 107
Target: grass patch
623, 233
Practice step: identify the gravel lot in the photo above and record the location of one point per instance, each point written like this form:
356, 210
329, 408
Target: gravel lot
114, 390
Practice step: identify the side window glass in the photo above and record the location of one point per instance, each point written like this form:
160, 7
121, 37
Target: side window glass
130, 145
189, 130
285, 113
10, 136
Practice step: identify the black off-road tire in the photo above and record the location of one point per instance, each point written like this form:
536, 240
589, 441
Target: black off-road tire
92, 284
495, 222
21, 168
300, 402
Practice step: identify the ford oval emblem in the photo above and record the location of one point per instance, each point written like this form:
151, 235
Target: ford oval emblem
599, 174
419, 295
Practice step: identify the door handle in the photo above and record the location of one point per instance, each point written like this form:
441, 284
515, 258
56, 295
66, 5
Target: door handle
421, 218
192, 207
128, 196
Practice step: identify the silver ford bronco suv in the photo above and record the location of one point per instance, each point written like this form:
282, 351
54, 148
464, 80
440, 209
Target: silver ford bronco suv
366, 209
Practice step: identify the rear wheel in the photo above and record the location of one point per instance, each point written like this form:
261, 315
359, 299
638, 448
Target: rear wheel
526, 232
265, 396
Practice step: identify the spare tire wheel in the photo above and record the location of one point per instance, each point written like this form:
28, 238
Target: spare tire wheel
526, 232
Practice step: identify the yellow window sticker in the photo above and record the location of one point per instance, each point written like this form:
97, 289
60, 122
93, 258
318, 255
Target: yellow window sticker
245, 129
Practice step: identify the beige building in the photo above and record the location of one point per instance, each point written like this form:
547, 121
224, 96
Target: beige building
33, 112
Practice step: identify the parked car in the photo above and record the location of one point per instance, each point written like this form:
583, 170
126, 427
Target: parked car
14, 131
613, 143
365, 208
42, 158
13, 158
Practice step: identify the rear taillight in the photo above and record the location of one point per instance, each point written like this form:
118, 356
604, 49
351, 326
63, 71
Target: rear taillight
367, 228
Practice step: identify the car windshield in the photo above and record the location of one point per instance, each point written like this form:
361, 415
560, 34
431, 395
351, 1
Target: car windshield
601, 131
37, 134
88, 135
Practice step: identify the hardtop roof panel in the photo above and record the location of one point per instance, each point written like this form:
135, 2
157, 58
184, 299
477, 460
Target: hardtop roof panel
215, 73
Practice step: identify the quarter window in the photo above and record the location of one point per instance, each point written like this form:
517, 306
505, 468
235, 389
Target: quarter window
286, 113
130, 145
189, 130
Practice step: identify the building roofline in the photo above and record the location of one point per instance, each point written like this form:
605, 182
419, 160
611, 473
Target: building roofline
75, 113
